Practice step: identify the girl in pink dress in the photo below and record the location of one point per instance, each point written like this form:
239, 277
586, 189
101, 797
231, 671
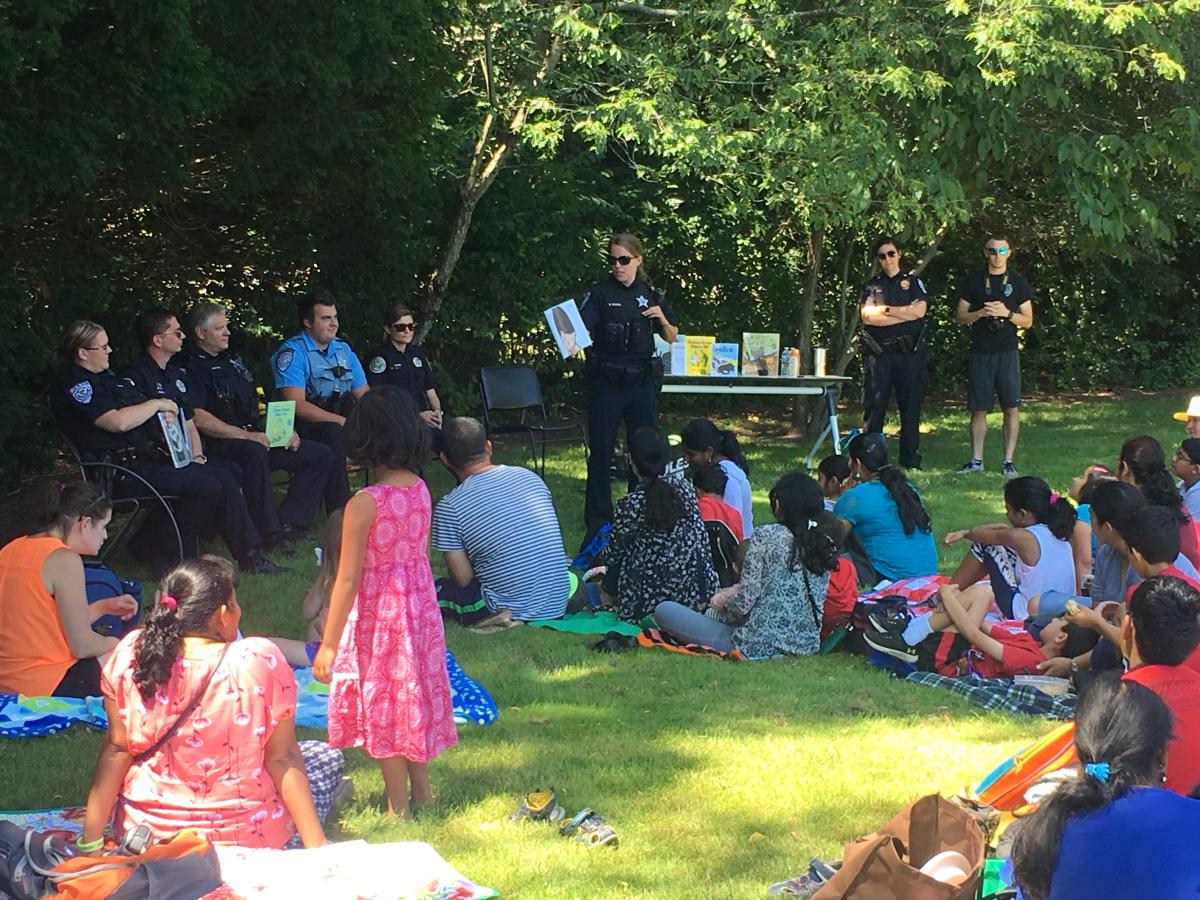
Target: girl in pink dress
383, 651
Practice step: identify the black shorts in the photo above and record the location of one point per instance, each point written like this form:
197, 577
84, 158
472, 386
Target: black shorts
996, 374
81, 680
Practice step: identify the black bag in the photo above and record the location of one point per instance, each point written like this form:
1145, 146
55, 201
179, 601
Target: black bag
722, 544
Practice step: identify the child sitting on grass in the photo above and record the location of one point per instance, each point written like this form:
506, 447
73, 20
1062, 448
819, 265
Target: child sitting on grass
833, 475
956, 639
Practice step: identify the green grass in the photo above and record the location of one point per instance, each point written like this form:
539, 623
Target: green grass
719, 778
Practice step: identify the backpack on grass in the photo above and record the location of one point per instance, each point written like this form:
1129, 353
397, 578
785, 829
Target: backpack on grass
101, 583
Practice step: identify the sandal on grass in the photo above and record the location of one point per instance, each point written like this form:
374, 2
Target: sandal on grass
539, 806
588, 827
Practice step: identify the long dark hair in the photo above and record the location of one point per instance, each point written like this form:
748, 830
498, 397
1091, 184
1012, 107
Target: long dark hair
1115, 503
199, 587
384, 430
700, 434
1118, 724
650, 454
871, 452
61, 505
1148, 464
800, 507
1033, 495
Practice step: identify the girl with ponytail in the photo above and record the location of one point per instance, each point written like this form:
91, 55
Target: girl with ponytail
778, 606
1113, 832
1027, 557
47, 645
200, 727
1144, 465
658, 548
704, 443
891, 533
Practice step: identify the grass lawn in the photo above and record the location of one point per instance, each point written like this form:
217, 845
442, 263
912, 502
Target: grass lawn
719, 778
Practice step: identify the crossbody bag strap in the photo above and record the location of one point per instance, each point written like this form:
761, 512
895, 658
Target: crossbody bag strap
183, 716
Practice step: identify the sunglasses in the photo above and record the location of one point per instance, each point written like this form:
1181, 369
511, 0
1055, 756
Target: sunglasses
886, 254
997, 251
403, 326
620, 260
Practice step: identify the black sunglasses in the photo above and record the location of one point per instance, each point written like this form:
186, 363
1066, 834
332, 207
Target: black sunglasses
403, 326
885, 254
620, 260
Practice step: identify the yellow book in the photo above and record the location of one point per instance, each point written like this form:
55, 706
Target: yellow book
698, 351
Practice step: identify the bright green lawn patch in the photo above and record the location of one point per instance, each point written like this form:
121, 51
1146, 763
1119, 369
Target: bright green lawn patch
720, 778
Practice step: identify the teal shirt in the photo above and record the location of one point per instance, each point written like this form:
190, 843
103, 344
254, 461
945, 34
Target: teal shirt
876, 520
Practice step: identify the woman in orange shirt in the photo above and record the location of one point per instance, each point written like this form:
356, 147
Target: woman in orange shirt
47, 646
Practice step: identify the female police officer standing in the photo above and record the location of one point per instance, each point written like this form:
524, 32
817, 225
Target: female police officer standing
621, 313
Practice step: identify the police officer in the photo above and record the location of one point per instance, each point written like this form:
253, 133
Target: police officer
226, 413
397, 361
321, 373
622, 314
111, 419
893, 347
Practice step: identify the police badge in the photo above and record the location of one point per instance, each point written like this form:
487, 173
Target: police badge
82, 392
376, 365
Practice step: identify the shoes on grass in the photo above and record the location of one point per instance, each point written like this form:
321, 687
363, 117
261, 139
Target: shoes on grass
807, 884
588, 827
540, 806
1008, 469
975, 465
890, 642
890, 617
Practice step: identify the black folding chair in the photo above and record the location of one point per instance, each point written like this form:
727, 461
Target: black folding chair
515, 390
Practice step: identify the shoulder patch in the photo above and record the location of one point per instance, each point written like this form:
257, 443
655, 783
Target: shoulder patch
180, 385
921, 285
284, 360
417, 362
376, 365
82, 392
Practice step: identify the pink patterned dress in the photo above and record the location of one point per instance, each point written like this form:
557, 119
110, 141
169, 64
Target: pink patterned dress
390, 693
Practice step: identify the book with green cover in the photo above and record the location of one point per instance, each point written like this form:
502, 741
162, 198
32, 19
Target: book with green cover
760, 354
281, 422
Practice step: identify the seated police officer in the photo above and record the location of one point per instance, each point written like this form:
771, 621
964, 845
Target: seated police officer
401, 363
111, 419
321, 373
226, 413
622, 314
893, 315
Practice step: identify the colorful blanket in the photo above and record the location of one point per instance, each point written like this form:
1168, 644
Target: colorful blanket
652, 637
67, 821
588, 623
1000, 693
39, 716
916, 591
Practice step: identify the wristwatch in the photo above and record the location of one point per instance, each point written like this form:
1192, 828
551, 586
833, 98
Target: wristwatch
1074, 666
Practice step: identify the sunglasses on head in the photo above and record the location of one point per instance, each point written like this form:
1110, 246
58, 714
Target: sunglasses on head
403, 326
997, 251
885, 254
620, 260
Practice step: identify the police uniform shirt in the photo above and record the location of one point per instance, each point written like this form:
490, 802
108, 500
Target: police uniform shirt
79, 397
408, 370
222, 386
301, 363
610, 302
170, 382
903, 289
989, 334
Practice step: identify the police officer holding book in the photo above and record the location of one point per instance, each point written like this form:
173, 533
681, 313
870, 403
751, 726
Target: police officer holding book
622, 315
893, 349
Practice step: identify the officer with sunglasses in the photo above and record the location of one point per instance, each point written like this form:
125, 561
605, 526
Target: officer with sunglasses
622, 315
893, 349
320, 372
401, 363
994, 302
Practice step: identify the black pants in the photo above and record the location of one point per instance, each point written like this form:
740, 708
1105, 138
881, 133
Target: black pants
337, 487
905, 373
81, 680
209, 501
609, 403
309, 465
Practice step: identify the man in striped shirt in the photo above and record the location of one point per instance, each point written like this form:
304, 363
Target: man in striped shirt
498, 533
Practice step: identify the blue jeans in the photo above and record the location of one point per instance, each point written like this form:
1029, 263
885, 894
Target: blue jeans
692, 627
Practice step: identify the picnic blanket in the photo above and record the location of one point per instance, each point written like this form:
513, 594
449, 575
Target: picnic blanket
66, 821
601, 622
652, 637
349, 870
916, 591
1001, 693
39, 716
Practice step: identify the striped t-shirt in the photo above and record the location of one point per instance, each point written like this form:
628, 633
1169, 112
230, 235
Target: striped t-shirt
503, 519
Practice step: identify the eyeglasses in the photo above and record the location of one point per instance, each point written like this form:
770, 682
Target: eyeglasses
885, 254
403, 326
107, 348
620, 260
176, 333
997, 251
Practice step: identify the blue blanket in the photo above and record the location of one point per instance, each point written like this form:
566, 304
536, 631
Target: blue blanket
37, 716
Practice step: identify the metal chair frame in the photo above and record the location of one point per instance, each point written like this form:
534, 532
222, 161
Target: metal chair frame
517, 389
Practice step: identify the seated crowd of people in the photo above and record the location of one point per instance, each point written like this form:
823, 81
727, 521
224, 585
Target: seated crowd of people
1102, 583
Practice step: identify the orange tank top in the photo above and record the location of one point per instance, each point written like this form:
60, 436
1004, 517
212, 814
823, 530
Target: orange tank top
34, 652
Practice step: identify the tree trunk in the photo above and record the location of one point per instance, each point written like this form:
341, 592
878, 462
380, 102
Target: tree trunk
802, 418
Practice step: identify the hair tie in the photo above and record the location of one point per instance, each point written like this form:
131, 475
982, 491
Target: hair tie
1103, 470
1099, 771
1054, 497
169, 602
